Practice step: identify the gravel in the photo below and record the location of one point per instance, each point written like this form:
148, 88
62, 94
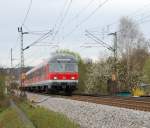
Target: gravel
90, 115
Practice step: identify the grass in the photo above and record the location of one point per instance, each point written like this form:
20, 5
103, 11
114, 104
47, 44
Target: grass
4, 103
43, 118
10, 119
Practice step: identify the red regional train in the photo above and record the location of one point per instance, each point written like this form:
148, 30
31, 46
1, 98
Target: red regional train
59, 73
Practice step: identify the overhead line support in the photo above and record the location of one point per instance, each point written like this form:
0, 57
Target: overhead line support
111, 48
20, 30
114, 75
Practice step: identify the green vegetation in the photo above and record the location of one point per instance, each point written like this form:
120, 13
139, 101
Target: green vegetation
2, 85
146, 71
83, 72
10, 119
4, 103
40, 117
43, 118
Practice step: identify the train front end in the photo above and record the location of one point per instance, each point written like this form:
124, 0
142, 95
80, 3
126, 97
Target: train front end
63, 73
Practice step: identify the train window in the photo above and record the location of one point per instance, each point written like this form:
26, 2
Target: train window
52, 67
63, 67
57, 67
60, 67
71, 67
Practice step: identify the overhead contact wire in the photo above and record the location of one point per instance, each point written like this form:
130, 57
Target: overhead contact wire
27, 13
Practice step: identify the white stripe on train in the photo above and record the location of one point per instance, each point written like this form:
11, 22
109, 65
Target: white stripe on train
48, 82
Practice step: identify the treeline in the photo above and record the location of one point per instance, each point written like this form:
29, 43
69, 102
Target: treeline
132, 66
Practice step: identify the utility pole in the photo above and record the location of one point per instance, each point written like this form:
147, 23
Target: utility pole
11, 63
11, 58
21, 56
11, 69
10, 78
20, 30
115, 44
114, 74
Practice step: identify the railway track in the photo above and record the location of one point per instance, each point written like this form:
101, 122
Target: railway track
142, 104
136, 103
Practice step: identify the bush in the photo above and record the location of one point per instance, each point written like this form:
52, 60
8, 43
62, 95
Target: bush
2, 84
1, 89
97, 77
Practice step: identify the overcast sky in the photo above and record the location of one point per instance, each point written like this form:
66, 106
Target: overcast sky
47, 14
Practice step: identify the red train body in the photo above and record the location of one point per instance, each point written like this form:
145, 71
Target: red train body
60, 73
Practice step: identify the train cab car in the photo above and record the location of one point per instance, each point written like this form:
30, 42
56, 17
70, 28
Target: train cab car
59, 73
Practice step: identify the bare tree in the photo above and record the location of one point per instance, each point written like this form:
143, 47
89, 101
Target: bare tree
129, 39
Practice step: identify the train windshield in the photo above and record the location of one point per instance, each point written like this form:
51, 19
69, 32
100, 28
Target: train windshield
63, 67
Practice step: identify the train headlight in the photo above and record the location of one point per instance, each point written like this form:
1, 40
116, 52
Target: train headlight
72, 78
55, 78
